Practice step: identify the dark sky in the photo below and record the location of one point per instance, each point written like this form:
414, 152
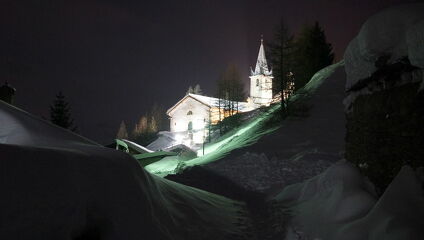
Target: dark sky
114, 58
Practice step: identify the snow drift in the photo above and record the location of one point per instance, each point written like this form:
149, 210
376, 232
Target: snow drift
57, 185
341, 204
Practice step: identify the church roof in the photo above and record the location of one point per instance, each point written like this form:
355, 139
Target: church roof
261, 64
214, 102
208, 101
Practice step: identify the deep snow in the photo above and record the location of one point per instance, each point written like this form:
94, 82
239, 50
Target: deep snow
341, 204
57, 185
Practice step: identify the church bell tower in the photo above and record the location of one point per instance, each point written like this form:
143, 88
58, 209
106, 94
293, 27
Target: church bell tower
261, 80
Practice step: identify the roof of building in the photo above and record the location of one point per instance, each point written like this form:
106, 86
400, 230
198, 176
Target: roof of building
136, 146
208, 101
261, 64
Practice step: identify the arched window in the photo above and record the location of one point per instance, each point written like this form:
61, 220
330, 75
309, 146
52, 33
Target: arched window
257, 82
190, 126
190, 113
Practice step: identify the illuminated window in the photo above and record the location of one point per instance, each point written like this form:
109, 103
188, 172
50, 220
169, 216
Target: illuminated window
190, 113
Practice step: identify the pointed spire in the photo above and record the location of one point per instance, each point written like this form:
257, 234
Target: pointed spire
261, 63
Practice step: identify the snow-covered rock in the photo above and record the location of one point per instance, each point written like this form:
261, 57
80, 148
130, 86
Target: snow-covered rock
385, 77
394, 33
341, 204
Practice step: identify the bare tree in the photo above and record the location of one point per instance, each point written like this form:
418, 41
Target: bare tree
281, 56
230, 91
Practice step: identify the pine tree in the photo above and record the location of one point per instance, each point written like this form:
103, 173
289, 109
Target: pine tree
60, 113
189, 90
149, 125
140, 127
312, 53
197, 90
122, 131
153, 125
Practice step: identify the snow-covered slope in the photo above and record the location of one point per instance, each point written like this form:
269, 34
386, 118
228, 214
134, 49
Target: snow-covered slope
303, 146
57, 185
341, 204
299, 140
246, 134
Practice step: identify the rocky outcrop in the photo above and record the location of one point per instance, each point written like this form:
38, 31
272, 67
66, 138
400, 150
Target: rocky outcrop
384, 106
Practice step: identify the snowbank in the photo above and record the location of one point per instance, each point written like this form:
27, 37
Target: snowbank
57, 185
393, 33
341, 204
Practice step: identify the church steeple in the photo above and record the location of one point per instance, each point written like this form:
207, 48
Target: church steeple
261, 80
261, 64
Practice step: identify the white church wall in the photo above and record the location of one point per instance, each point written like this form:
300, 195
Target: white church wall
261, 89
180, 120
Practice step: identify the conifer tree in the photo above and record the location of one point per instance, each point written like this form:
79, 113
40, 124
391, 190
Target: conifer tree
197, 90
122, 131
189, 90
60, 113
158, 112
312, 53
153, 125
140, 127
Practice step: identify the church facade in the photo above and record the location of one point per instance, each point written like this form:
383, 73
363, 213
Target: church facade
191, 116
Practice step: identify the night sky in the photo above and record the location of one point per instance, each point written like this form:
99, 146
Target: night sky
113, 59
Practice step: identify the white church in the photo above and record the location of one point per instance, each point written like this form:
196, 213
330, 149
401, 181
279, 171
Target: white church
191, 115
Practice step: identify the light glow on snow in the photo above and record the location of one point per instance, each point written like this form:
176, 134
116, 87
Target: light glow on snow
245, 135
